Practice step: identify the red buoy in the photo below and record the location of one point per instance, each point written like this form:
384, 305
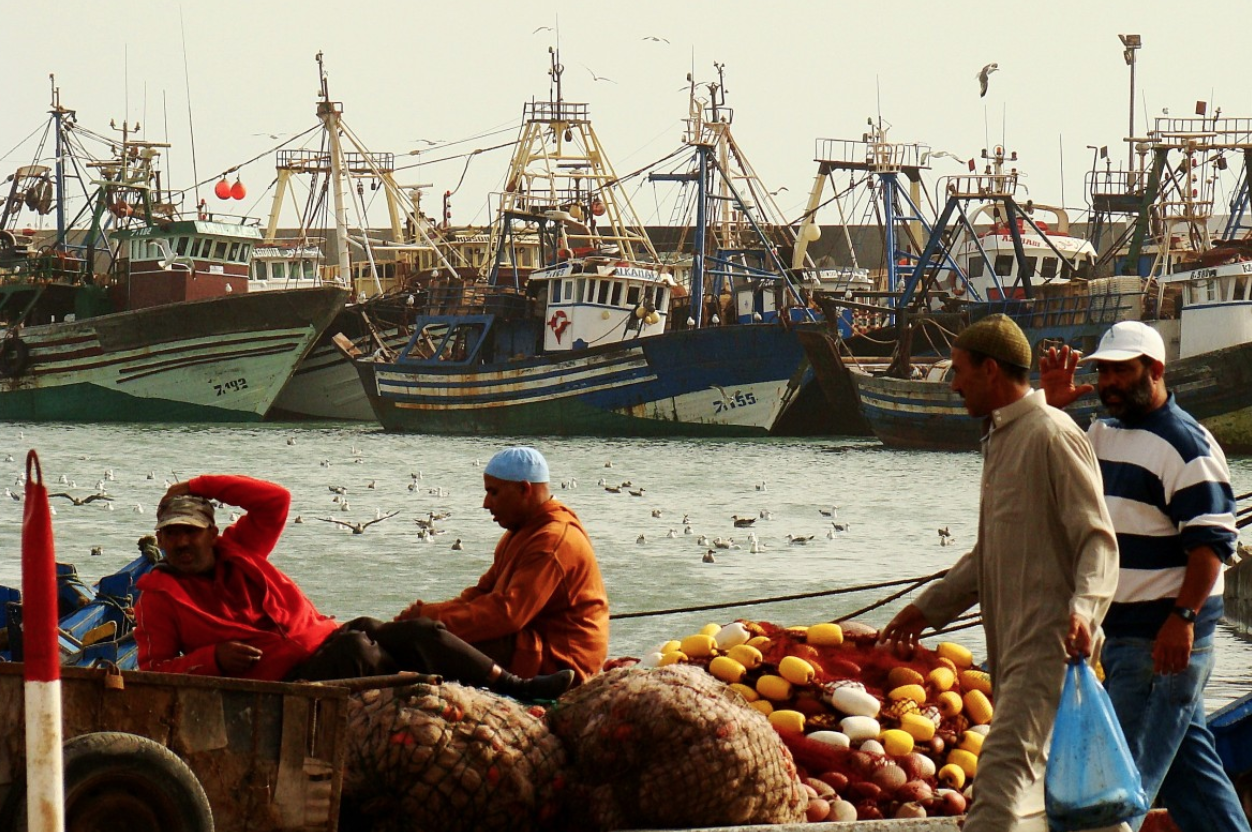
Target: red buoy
238, 191
597, 208
222, 189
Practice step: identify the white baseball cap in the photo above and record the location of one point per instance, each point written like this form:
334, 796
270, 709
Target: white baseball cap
1128, 340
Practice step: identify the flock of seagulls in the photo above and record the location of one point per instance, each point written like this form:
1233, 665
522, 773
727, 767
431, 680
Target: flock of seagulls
709, 545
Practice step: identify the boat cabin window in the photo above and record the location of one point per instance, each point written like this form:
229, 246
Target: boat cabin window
181, 245
260, 270
1048, 270
1032, 264
660, 297
1241, 287
603, 297
632, 296
460, 343
569, 289
977, 266
219, 250
580, 290
234, 252
1004, 265
617, 293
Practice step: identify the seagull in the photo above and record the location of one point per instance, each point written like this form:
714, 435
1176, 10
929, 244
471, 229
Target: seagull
945, 537
613, 489
359, 528
672, 533
798, 540
834, 512
636, 492
428, 142
686, 519
542, 29
708, 557
728, 543
83, 501
687, 530
338, 489
595, 77
742, 522
941, 154
641, 539
778, 190
108, 475
702, 540
298, 520
757, 547
17, 498
656, 512
840, 527
96, 551
372, 484
137, 508
456, 545
982, 77
655, 39
291, 440
766, 514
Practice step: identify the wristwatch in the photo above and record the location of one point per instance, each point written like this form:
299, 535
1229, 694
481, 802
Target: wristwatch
1185, 613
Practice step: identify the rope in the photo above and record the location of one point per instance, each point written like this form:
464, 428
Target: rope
912, 583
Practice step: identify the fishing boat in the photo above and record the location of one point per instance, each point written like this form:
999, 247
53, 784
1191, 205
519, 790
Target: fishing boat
1196, 294
166, 330
601, 338
386, 278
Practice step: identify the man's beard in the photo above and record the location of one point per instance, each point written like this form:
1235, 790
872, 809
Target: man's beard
1136, 401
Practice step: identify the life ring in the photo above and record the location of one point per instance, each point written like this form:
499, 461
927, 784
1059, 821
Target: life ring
14, 357
116, 780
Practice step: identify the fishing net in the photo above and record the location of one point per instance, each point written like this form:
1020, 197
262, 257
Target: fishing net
443, 758
672, 747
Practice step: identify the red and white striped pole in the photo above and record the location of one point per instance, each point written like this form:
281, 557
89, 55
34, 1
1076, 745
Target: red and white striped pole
45, 788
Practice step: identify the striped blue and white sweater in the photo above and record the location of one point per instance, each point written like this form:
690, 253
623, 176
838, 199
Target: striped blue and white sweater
1168, 490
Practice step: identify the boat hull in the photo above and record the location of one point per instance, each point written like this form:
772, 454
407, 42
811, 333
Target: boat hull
1214, 387
218, 360
721, 381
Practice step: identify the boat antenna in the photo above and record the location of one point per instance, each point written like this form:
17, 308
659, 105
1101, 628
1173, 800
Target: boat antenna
555, 71
1060, 147
878, 98
191, 125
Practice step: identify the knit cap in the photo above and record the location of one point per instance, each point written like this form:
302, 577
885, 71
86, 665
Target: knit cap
518, 465
997, 336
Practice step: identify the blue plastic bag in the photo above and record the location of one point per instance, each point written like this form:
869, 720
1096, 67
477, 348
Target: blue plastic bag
1091, 780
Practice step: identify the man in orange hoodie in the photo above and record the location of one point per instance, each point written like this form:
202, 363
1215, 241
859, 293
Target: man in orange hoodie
542, 606
216, 606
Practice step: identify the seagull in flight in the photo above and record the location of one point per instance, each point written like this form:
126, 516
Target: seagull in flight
542, 29
83, 501
358, 528
655, 39
595, 77
982, 76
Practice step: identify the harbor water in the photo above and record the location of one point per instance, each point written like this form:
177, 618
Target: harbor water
889, 506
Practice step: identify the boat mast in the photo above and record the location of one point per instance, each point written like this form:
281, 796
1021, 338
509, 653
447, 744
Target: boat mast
329, 111
58, 113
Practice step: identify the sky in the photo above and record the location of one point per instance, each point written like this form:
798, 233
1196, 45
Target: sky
459, 74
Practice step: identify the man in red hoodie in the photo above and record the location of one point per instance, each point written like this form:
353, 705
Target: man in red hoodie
216, 606
542, 606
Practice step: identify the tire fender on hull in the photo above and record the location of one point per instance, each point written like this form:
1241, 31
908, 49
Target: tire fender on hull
14, 357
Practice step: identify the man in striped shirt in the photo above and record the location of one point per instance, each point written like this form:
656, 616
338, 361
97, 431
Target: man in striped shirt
1168, 491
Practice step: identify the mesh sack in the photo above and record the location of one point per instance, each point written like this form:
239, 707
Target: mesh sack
442, 758
672, 747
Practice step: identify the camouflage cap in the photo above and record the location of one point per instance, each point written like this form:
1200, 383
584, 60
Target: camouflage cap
998, 337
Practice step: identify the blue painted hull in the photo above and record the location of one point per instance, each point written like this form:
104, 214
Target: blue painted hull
720, 381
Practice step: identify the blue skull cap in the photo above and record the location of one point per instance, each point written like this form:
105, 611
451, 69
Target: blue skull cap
518, 465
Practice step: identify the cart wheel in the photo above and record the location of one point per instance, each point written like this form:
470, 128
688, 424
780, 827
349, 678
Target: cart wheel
123, 781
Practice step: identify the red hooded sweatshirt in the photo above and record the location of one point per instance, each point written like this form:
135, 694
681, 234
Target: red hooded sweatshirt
180, 619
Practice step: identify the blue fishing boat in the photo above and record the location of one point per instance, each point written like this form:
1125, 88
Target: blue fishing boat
602, 338
95, 623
